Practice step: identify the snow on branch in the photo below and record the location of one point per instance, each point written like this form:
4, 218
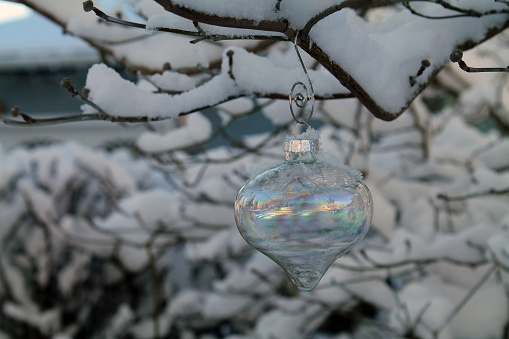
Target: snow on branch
242, 74
376, 61
366, 57
385, 60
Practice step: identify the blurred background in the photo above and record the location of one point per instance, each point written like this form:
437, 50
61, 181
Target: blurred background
35, 55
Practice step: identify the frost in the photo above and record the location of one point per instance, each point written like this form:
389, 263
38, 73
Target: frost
262, 166
340, 166
309, 133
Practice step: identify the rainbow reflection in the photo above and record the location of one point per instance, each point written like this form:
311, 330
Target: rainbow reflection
304, 216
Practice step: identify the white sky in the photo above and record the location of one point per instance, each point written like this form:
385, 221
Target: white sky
11, 11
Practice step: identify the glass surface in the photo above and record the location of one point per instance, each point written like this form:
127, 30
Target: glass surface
304, 215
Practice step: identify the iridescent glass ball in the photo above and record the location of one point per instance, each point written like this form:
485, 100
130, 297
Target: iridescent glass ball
305, 213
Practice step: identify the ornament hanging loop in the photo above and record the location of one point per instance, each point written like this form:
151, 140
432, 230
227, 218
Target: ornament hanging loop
300, 94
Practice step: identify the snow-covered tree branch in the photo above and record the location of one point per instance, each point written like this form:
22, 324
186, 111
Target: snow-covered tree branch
382, 52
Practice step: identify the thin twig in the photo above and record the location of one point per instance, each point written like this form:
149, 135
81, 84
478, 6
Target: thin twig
457, 56
28, 121
466, 298
122, 22
420, 315
154, 279
410, 8
416, 262
473, 195
469, 69
364, 4
201, 34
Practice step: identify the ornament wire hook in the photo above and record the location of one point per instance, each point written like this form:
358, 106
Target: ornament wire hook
302, 95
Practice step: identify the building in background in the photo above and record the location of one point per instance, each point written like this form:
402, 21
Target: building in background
35, 55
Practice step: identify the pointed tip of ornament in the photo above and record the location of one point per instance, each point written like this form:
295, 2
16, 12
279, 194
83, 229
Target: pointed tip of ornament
307, 268
306, 281
307, 275
305, 289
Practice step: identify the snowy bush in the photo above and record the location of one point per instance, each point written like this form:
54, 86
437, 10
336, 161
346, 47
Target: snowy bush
141, 242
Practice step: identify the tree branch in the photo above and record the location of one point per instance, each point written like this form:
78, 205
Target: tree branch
474, 195
282, 25
316, 52
223, 21
366, 4
201, 34
457, 57
466, 298
28, 121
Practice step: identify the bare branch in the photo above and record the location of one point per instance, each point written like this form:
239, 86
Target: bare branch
415, 262
466, 298
199, 33
410, 8
474, 195
223, 21
29, 121
366, 4
457, 57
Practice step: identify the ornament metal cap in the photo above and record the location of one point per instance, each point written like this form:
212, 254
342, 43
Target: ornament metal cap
298, 149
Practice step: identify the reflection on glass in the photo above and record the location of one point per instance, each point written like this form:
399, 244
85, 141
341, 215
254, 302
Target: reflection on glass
304, 216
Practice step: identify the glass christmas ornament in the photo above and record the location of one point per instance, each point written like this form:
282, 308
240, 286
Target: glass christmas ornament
305, 213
